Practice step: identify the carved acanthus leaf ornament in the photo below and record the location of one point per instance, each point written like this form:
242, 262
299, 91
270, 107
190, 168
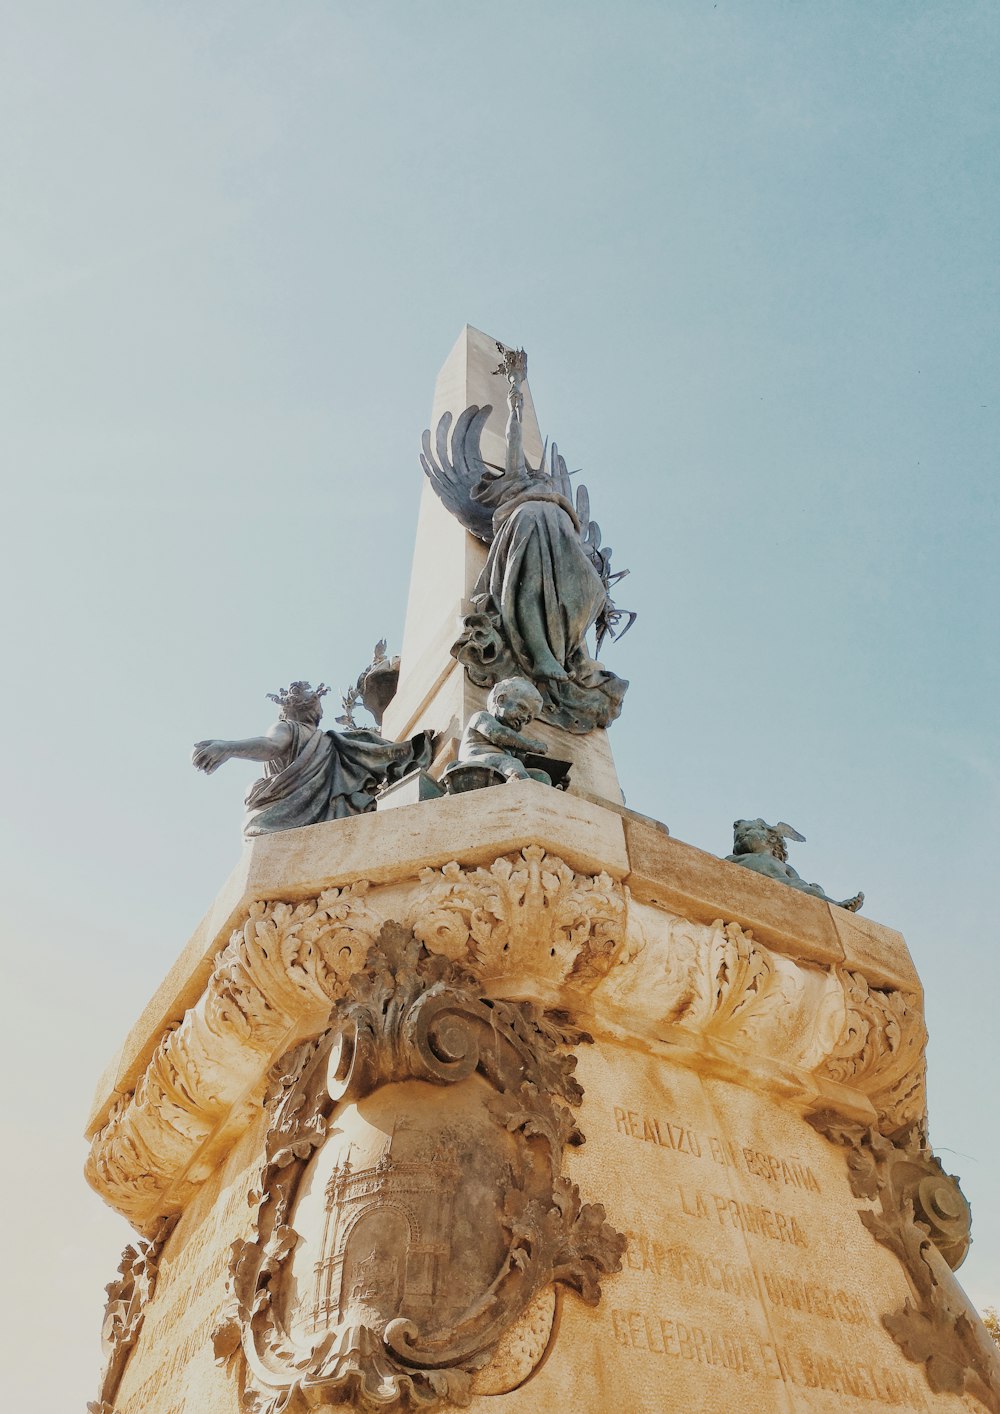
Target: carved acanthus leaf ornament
413, 1203
128, 1296
526, 921
575, 922
718, 981
278, 974
880, 1050
921, 1215
283, 969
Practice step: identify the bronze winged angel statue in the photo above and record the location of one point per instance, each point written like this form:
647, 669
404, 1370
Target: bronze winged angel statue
547, 579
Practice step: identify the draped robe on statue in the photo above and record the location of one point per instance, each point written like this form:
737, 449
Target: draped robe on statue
537, 596
327, 775
540, 580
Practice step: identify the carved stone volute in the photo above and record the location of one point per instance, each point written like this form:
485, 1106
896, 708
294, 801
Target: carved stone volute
923, 1217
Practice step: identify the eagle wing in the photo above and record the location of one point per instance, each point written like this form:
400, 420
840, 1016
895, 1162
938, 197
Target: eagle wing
454, 471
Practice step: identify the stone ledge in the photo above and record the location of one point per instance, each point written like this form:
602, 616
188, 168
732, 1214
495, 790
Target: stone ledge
389, 850
476, 828
700, 886
381, 847
530, 926
472, 829
875, 950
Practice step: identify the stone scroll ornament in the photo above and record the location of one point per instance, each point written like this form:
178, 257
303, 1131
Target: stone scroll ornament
922, 1216
547, 579
413, 1213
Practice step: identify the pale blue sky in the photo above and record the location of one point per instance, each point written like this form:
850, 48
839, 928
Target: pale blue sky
752, 251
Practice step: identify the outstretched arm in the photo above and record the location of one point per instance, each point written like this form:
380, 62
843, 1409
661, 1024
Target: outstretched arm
208, 756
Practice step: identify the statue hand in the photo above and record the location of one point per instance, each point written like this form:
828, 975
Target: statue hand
538, 748
207, 756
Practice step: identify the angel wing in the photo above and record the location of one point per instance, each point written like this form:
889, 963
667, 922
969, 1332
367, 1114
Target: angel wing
560, 476
610, 617
454, 475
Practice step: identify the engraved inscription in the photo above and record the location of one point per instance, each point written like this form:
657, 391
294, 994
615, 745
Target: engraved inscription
653, 1130
744, 1158
190, 1291
791, 1171
748, 1283
138, 1402
669, 1336
747, 1217
645, 1254
813, 1299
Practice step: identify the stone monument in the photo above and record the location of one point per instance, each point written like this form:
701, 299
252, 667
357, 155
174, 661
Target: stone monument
504, 1099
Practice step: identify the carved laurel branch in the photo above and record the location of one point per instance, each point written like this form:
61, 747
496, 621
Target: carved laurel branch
411, 1014
923, 1218
128, 1296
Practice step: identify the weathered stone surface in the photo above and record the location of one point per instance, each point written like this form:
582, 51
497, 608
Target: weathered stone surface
749, 1281
379, 848
413, 1207
700, 886
531, 924
875, 950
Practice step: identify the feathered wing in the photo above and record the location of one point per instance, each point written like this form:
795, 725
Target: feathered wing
453, 473
609, 621
590, 531
559, 474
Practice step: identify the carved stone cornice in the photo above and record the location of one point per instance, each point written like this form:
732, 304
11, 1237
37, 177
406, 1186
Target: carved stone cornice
921, 1215
575, 922
528, 924
278, 975
716, 980
444, 1196
880, 1051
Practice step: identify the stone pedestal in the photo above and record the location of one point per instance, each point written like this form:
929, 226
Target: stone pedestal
507, 1100
752, 1076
